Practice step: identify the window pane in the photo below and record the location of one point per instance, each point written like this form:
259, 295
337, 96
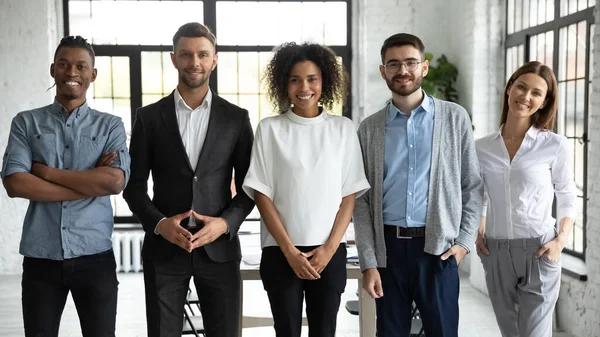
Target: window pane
103, 83
249, 75
152, 74
514, 59
581, 49
510, 24
570, 109
227, 74
562, 54
131, 22
579, 163
120, 77
533, 48
159, 77
549, 10
149, 99
564, 7
518, 15
533, 6
526, 18
591, 3
541, 12
561, 113
579, 107
541, 47
233, 99
251, 103
319, 22
572, 6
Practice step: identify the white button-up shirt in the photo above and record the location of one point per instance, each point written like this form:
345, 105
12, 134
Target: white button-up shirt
193, 125
519, 195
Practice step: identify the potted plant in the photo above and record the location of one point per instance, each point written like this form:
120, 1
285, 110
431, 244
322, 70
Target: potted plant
441, 78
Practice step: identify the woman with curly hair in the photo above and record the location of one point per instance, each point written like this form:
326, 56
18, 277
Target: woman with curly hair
305, 172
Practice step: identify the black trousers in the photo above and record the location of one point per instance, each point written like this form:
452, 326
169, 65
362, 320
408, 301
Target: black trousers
413, 275
217, 284
287, 292
92, 281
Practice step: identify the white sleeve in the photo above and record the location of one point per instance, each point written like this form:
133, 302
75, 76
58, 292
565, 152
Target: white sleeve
564, 184
259, 178
354, 179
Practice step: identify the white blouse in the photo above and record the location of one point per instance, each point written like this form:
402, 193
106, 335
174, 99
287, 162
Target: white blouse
519, 195
305, 166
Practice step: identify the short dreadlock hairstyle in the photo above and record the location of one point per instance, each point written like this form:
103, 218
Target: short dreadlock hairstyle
76, 42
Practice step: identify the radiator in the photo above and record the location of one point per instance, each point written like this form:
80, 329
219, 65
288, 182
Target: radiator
127, 246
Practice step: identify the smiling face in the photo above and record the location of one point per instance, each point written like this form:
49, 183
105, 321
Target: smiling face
194, 58
526, 95
404, 81
73, 71
304, 88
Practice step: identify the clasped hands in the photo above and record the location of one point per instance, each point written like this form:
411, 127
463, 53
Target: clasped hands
309, 265
172, 231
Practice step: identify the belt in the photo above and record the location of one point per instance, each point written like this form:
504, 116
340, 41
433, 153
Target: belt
402, 232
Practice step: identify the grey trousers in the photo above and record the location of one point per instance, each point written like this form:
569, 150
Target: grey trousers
523, 289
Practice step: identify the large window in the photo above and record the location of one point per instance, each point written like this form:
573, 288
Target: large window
132, 40
557, 33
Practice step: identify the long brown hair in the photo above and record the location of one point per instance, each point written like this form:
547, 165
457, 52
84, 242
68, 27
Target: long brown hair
544, 118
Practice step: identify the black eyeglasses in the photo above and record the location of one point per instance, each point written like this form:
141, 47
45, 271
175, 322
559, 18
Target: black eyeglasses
394, 67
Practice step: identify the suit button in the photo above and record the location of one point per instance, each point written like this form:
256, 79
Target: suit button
195, 179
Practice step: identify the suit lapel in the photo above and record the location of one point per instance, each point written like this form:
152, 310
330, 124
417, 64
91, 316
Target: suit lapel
170, 119
215, 124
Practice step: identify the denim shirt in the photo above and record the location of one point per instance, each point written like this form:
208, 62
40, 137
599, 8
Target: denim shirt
407, 166
49, 135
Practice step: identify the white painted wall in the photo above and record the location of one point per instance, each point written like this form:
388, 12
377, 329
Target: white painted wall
28, 37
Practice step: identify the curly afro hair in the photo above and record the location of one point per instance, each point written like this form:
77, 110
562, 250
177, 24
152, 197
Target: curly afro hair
333, 75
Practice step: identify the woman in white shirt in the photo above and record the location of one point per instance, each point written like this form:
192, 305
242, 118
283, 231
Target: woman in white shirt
524, 165
305, 172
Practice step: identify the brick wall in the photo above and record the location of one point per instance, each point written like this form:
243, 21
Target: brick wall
28, 36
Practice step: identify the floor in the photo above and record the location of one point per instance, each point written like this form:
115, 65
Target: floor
476, 314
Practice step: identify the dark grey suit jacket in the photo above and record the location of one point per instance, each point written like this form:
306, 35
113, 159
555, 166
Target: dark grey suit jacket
156, 147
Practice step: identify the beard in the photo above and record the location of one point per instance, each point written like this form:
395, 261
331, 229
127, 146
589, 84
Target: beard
413, 86
196, 83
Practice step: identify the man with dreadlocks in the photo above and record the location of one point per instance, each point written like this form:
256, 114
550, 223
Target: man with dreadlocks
67, 159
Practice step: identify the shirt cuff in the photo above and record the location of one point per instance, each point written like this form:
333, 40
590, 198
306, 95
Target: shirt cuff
156, 232
465, 247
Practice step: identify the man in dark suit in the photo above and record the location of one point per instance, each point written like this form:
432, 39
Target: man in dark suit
191, 140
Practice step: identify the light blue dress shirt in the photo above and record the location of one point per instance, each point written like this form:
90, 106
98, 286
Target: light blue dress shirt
408, 145
49, 135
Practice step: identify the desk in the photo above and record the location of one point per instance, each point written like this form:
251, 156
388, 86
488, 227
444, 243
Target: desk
250, 271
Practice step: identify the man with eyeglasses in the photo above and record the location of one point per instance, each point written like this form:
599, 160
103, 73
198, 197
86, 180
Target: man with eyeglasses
420, 217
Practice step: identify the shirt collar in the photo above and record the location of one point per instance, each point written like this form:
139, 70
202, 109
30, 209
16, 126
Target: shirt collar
533, 132
426, 106
60, 110
207, 99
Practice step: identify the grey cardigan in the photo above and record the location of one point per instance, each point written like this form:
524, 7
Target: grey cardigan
455, 186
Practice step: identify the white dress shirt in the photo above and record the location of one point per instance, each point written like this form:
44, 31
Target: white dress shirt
519, 195
193, 125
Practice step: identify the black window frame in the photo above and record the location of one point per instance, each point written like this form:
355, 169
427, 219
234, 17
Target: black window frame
522, 37
134, 53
